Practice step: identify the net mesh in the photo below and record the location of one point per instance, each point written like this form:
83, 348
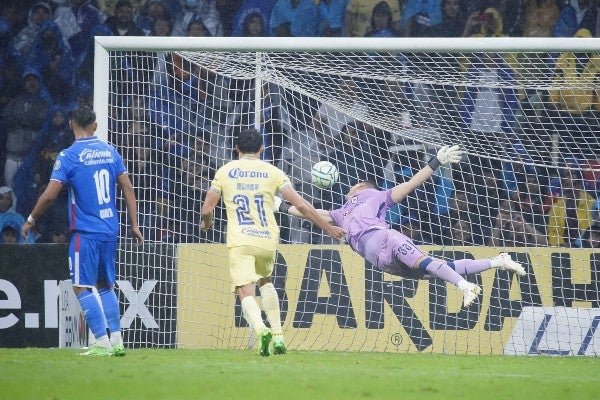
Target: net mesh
528, 122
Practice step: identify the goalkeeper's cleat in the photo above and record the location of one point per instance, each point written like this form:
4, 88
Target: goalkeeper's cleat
504, 261
279, 345
470, 294
118, 350
97, 350
264, 340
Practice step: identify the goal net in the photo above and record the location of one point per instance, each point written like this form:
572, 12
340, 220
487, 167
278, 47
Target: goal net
525, 111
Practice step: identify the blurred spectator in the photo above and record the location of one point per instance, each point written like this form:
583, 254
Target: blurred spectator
571, 210
9, 218
540, 17
427, 203
511, 230
53, 137
39, 13
35, 171
84, 95
490, 105
576, 15
332, 16
590, 239
121, 23
572, 102
10, 65
511, 14
84, 65
151, 11
381, 22
195, 178
295, 18
51, 57
9, 235
199, 10
459, 205
300, 154
161, 27
418, 16
263, 7
87, 16
412, 227
54, 234
307, 143
108, 6
343, 108
52, 227
227, 10
531, 197
197, 29
211, 16
420, 204
479, 179
486, 23
180, 97
141, 141
460, 233
354, 159
254, 25
22, 119
188, 14
358, 16
453, 20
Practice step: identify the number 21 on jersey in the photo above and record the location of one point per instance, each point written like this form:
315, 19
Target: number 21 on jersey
243, 209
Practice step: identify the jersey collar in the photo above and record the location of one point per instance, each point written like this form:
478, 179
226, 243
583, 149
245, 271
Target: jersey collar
87, 138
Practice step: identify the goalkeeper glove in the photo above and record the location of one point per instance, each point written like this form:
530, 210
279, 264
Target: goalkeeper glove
445, 156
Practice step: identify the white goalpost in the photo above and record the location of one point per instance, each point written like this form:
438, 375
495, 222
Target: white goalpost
524, 109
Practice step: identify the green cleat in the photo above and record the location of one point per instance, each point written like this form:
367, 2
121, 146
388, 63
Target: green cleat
264, 340
118, 350
98, 351
279, 345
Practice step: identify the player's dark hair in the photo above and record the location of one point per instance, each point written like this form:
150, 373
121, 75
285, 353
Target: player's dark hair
370, 184
249, 141
83, 116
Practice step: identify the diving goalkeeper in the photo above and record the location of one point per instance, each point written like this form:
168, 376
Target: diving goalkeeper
367, 232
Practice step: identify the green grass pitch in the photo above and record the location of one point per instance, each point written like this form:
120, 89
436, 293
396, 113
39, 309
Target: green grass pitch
57, 374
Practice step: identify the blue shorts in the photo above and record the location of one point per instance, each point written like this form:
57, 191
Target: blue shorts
92, 260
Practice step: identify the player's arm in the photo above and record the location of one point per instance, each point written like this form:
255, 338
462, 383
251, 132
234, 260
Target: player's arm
307, 211
287, 208
43, 204
208, 208
445, 156
127, 188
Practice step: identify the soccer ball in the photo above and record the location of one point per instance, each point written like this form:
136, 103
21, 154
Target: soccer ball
324, 174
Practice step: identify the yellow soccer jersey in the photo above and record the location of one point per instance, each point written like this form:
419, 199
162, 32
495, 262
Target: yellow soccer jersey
248, 188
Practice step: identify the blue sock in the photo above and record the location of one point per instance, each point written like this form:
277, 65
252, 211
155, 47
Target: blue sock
92, 313
110, 303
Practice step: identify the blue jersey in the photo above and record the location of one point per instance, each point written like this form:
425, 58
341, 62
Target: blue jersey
89, 168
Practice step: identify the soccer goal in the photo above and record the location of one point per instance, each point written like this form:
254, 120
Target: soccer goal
525, 111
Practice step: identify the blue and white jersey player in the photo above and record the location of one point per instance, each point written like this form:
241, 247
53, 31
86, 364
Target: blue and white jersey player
91, 169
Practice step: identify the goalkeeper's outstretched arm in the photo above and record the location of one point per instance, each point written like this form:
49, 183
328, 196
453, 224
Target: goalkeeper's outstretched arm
287, 208
303, 209
445, 155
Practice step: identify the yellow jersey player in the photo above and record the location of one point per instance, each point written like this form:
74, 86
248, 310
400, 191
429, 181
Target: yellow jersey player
248, 187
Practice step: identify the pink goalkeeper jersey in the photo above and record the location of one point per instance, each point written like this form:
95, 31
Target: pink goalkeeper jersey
363, 213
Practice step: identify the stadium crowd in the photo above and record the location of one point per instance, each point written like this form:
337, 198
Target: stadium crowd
46, 68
